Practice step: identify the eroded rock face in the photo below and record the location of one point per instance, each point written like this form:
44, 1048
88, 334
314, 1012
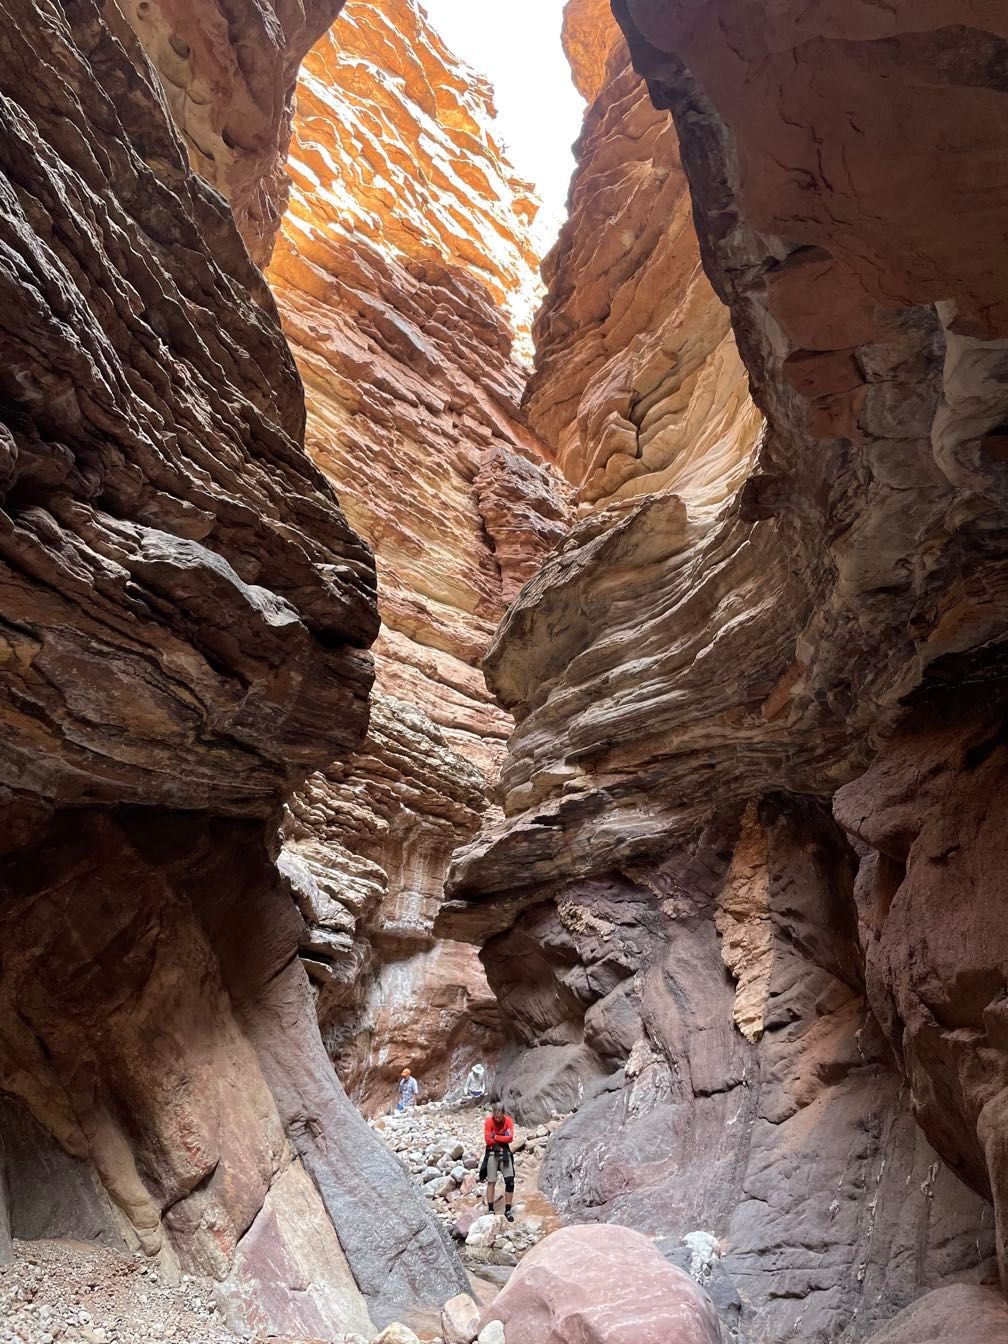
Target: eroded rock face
228, 72
617, 1001
857, 555
404, 253
170, 557
931, 810
693, 685
638, 385
187, 616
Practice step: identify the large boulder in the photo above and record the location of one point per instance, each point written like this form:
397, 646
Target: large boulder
602, 1284
960, 1314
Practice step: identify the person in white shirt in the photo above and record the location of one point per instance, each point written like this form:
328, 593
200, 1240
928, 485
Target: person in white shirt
475, 1084
408, 1089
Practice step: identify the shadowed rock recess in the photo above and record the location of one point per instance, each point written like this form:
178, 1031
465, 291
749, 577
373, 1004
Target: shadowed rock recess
712, 860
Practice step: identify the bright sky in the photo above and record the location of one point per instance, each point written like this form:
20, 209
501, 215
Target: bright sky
539, 108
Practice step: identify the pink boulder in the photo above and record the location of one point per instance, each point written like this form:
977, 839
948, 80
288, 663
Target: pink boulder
602, 1284
463, 1223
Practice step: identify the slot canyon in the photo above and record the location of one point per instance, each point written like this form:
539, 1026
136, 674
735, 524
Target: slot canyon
425, 641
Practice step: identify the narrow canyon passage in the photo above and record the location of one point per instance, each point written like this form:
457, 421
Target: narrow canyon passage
416, 651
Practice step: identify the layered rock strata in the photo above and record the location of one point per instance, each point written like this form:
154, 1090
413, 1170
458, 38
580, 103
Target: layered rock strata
186, 616
402, 273
228, 72
638, 385
693, 678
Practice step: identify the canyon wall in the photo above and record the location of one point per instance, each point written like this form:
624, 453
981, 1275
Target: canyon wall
403, 274
186, 618
781, 1025
638, 386
228, 73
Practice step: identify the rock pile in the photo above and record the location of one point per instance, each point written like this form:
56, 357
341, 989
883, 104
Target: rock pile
441, 1146
461, 1331
79, 1294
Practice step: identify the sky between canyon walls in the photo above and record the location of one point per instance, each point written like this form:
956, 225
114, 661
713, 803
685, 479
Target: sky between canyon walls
539, 109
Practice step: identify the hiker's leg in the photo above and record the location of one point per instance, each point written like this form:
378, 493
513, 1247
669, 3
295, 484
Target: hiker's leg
491, 1181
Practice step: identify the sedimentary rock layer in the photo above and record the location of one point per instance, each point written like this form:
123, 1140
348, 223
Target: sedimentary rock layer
931, 809
791, 1149
186, 616
858, 560
692, 686
228, 72
182, 596
405, 237
366, 846
638, 385
405, 250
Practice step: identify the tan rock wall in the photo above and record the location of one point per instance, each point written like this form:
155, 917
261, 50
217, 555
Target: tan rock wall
638, 385
228, 72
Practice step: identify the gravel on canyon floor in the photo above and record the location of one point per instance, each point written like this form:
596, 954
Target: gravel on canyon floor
441, 1145
76, 1293
70, 1292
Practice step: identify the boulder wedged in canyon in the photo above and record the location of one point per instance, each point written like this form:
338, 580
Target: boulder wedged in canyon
693, 677
403, 270
186, 619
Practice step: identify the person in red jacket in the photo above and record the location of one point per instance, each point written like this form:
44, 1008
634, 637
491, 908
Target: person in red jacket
498, 1160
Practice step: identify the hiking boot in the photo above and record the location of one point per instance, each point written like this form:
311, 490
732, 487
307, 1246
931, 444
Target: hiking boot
509, 1215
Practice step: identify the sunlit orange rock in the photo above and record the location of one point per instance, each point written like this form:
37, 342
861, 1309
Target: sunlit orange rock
228, 73
638, 384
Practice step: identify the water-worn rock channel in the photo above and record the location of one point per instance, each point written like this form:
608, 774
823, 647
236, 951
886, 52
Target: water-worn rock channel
414, 650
